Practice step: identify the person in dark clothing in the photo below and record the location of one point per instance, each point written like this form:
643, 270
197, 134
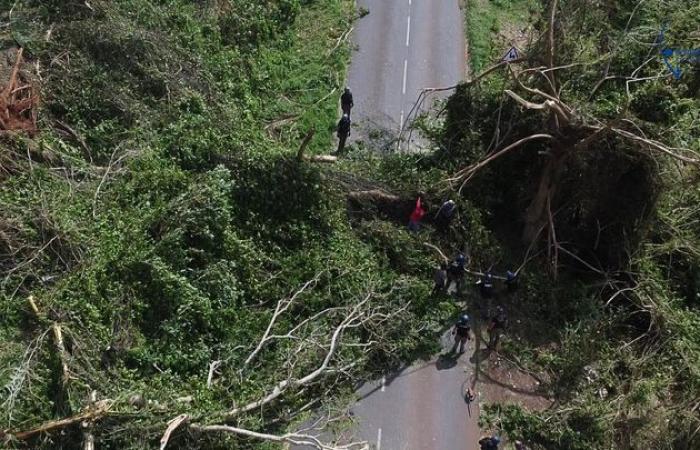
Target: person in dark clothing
511, 281
498, 323
343, 131
444, 216
486, 285
455, 272
346, 102
440, 278
461, 332
489, 443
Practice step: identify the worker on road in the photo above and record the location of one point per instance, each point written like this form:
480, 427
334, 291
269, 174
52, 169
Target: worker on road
498, 323
416, 216
485, 284
455, 273
444, 216
511, 281
343, 131
440, 278
346, 102
461, 332
489, 443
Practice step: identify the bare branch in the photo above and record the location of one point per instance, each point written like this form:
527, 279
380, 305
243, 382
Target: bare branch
353, 319
550, 75
468, 172
289, 438
94, 412
656, 145
282, 306
172, 426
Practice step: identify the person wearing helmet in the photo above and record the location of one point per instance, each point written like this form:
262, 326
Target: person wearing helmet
486, 285
511, 281
444, 216
455, 273
461, 332
498, 323
343, 131
346, 102
489, 443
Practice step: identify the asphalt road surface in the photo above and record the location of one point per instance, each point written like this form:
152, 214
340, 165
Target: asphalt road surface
402, 46
421, 408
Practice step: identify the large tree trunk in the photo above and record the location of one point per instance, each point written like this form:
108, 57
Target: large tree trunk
536, 214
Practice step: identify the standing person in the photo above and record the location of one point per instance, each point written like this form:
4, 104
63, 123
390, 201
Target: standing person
489, 443
498, 323
444, 216
343, 131
440, 278
461, 332
346, 102
511, 281
416, 216
485, 284
456, 272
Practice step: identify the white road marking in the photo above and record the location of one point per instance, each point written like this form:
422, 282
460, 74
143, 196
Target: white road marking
384, 378
408, 31
400, 128
379, 439
409, 2
405, 69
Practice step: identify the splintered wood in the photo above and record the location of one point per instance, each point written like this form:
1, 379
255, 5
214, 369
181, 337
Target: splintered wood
18, 102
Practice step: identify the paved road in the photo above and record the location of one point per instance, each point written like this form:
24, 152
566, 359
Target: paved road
422, 408
403, 46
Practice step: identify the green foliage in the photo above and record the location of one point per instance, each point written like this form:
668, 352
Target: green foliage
486, 19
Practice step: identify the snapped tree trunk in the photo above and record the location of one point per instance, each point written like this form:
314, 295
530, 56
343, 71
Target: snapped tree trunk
536, 214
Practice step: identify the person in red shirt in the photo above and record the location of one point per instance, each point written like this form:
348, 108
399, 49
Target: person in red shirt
416, 216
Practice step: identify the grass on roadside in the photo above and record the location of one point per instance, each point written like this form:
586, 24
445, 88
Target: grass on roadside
487, 20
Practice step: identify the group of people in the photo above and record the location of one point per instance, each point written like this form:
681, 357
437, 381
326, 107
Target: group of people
343, 129
443, 217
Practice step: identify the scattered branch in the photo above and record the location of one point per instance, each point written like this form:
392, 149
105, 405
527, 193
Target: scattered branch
282, 306
289, 438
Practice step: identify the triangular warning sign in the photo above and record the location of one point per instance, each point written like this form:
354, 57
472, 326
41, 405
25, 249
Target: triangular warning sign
511, 55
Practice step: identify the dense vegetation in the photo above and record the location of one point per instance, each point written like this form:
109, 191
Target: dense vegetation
616, 337
160, 214
160, 220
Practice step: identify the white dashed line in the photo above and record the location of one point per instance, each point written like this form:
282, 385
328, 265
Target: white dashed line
400, 128
379, 439
384, 378
405, 69
408, 31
